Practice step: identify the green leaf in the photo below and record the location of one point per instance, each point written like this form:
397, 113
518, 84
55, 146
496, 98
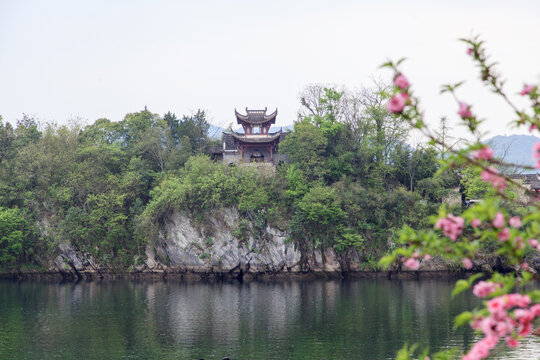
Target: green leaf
461, 285
400, 61
386, 261
474, 277
462, 319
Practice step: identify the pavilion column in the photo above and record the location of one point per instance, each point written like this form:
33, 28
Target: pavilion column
271, 148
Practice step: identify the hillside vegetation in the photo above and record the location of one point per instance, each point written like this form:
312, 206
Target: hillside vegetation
107, 188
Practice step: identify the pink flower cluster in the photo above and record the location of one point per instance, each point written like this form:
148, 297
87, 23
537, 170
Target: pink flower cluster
536, 154
501, 323
498, 221
401, 82
515, 222
484, 288
484, 153
527, 89
535, 244
492, 176
464, 110
412, 263
504, 234
398, 101
452, 226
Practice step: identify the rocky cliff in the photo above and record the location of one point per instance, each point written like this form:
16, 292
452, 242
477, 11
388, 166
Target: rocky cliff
216, 248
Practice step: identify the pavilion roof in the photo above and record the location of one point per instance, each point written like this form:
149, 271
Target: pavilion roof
256, 117
257, 138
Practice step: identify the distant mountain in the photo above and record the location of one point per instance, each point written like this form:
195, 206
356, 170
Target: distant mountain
215, 132
516, 149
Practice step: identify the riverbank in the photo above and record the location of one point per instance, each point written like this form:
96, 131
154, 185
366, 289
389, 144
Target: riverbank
55, 276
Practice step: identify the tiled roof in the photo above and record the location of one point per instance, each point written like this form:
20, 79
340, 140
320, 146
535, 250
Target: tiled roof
255, 117
257, 139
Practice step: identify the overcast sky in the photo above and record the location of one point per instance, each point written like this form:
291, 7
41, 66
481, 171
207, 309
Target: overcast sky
92, 59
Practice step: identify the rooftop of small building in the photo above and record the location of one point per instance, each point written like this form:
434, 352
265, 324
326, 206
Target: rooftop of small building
256, 116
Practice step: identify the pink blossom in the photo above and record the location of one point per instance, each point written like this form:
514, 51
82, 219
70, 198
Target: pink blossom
412, 264
527, 89
533, 127
467, 263
536, 153
488, 325
504, 234
401, 82
406, 97
523, 315
488, 174
464, 110
470, 51
491, 175
452, 226
502, 328
427, 257
484, 288
500, 323
533, 242
484, 153
536, 150
525, 329
524, 266
515, 222
496, 304
480, 350
498, 221
515, 299
475, 223
396, 104
512, 343
491, 341
535, 309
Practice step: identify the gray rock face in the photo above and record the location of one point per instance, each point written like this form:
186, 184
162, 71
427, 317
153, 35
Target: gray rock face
186, 248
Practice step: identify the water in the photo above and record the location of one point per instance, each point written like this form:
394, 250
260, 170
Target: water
347, 319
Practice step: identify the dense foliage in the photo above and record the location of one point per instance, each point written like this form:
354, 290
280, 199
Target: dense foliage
351, 181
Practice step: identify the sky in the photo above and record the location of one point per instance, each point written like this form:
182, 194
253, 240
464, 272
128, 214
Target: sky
62, 61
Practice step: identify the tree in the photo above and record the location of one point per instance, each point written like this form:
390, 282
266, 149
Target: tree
7, 136
319, 215
306, 148
15, 232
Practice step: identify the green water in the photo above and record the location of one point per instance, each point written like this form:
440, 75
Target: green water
342, 319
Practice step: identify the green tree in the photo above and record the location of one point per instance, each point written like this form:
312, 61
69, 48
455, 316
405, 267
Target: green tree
319, 216
15, 234
306, 148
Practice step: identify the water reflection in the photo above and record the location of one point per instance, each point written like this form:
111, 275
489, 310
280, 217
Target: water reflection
349, 319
